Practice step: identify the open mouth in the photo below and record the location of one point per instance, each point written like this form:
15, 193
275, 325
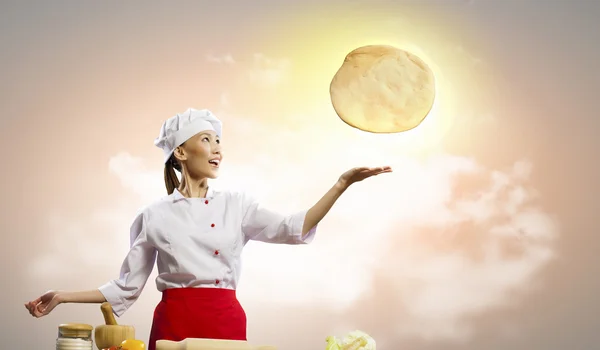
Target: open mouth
214, 163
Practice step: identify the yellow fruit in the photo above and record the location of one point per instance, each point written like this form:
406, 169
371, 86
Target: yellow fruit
133, 344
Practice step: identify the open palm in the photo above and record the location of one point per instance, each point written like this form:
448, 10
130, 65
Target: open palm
358, 174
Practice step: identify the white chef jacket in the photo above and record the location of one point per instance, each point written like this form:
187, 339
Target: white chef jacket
197, 242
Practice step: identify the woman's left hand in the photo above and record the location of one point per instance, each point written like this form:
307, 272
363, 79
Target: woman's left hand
358, 174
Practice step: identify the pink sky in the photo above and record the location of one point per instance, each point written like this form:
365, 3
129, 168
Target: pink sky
481, 238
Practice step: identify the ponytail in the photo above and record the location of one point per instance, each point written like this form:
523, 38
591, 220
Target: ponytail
171, 180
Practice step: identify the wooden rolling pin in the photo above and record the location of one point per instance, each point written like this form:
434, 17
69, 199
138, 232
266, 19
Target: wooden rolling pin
111, 334
208, 344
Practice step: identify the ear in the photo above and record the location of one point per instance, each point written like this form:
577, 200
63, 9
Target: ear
179, 154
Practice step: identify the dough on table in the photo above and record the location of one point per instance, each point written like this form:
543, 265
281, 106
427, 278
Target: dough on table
382, 89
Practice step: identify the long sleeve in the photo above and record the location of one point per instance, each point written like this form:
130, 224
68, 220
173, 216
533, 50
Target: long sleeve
135, 270
262, 224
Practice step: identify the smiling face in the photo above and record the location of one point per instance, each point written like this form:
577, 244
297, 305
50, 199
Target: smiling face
200, 156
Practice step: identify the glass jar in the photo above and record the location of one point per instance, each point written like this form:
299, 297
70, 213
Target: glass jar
74, 336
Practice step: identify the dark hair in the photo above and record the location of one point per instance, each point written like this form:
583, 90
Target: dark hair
171, 180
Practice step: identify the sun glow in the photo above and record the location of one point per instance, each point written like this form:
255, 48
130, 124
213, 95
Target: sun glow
312, 71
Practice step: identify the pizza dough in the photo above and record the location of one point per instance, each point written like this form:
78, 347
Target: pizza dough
382, 89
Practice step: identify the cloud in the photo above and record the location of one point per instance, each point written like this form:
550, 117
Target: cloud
224, 99
439, 240
268, 71
224, 59
136, 177
83, 243
486, 243
460, 51
261, 70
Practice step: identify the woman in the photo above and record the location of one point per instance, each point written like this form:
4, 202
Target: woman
196, 235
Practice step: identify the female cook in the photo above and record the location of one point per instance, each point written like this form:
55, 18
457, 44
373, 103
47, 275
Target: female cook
196, 235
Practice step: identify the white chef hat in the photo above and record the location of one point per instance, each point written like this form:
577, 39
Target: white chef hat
181, 127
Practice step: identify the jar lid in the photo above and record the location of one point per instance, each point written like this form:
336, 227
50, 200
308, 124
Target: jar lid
75, 330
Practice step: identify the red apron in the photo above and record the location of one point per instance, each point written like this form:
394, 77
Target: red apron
198, 313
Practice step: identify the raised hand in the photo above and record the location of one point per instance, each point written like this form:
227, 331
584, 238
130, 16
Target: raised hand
358, 174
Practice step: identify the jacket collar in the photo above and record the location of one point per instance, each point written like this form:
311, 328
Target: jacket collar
177, 196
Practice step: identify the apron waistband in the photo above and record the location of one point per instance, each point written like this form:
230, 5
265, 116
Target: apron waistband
198, 293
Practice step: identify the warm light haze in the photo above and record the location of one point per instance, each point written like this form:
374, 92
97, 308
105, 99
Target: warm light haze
481, 238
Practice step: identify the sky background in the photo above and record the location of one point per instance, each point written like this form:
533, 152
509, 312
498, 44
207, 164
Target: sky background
484, 237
